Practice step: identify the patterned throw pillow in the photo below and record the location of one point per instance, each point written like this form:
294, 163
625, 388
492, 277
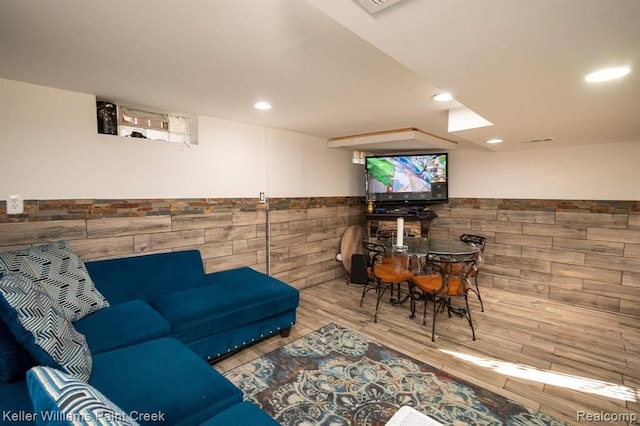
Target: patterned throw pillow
50, 338
61, 273
64, 400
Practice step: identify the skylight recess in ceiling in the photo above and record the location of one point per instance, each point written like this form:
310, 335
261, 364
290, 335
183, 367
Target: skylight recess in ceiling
464, 119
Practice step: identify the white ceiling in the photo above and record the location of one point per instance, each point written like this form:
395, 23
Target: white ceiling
332, 69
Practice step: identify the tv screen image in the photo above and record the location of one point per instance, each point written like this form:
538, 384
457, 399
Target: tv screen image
407, 178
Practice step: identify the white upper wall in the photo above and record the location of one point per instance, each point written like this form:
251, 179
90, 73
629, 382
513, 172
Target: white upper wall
50, 149
590, 172
299, 164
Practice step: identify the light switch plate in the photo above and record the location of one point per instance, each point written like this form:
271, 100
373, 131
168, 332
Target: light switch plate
15, 205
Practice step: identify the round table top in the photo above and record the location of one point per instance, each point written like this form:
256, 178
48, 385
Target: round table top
350, 244
421, 245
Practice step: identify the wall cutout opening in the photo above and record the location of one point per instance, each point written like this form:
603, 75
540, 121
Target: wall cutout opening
134, 123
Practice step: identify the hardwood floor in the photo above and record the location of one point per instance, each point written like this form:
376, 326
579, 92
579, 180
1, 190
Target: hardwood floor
558, 359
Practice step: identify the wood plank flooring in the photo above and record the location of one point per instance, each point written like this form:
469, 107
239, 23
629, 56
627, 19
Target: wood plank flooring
558, 359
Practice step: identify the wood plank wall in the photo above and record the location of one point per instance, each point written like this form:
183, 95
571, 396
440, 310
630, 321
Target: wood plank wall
305, 233
585, 253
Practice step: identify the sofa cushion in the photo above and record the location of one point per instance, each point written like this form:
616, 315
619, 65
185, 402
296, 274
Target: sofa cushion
28, 311
163, 376
16, 407
243, 414
64, 400
243, 273
14, 358
122, 325
225, 305
144, 277
60, 272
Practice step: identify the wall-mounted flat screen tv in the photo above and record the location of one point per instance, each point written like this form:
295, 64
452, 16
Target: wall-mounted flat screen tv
407, 178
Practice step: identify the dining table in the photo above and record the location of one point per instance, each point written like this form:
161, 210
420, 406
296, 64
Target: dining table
422, 246
418, 250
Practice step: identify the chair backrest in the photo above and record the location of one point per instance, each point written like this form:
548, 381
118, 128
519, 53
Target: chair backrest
474, 240
377, 253
454, 270
373, 252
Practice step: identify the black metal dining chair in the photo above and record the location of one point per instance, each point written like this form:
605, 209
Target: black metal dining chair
476, 241
384, 272
445, 279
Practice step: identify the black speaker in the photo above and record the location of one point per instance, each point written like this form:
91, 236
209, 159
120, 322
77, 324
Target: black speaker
107, 118
358, 269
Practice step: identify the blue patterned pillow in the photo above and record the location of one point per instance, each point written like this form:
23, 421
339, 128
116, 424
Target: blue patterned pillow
63, 400
50, 338
61, 273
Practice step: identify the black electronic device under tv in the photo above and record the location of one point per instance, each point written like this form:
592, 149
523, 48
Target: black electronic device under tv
407, 178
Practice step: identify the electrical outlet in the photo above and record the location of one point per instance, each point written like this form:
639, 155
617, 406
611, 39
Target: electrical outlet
263, 197
15, 204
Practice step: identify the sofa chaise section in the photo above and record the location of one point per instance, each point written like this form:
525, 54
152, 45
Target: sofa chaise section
214, 314
229, 313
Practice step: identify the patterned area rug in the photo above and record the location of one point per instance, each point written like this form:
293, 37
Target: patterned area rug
334, 377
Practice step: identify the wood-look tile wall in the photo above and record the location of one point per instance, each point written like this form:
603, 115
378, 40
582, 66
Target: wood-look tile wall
584, 253
304, 233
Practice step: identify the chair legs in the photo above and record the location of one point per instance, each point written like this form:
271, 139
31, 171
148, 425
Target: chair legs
438, 304
425, 300
381, 288
466, 301
370, 285
477, 292
436, 308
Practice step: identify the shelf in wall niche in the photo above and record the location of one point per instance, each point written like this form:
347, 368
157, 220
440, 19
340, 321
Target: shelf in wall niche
409, 139
374, 219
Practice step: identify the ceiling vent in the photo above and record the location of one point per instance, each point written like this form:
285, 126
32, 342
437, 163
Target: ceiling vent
375, 6
537, 140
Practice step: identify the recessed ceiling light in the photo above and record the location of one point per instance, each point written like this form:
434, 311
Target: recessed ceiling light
607, 74
442, 97
262, 105
495, 140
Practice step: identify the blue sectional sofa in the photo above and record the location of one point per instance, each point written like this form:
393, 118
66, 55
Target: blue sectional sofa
162, 319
